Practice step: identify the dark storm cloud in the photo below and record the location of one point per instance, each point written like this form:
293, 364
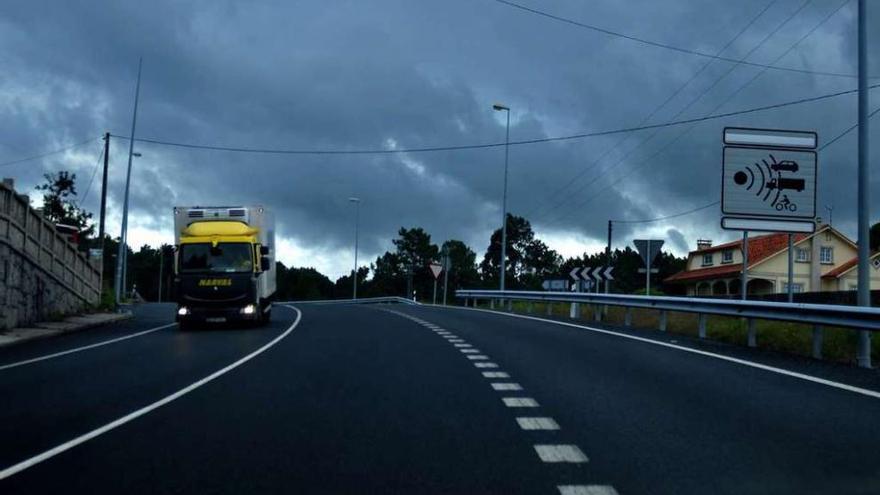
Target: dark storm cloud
349, 75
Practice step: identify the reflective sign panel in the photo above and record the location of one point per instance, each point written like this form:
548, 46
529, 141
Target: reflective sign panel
768, 182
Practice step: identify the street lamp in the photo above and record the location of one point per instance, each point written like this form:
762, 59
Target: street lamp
120, 258
357, 219
500, 108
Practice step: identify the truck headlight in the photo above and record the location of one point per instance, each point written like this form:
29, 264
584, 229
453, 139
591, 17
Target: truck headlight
249, 309
182, 311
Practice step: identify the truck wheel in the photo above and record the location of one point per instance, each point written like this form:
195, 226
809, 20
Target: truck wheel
184, 326
267, 317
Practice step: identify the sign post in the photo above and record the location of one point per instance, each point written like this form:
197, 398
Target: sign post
436, 268
648, 249
769, 183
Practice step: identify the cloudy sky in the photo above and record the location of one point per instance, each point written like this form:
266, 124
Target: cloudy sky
401, 74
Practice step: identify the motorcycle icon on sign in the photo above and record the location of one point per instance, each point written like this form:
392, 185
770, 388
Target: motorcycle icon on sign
785, 204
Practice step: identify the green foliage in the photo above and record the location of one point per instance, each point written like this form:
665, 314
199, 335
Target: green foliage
59, 207
875, 237
529, 260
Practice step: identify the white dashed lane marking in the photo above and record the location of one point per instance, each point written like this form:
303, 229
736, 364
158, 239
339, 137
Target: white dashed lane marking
549, 453
506, 386
586, 490
560, 453
537, 423
520, 402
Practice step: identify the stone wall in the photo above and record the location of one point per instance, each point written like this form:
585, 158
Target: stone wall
42, 274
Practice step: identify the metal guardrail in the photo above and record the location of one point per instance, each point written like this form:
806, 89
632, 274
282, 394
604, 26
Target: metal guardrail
364, 300
817, 315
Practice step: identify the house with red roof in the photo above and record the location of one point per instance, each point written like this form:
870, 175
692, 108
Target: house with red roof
823, 261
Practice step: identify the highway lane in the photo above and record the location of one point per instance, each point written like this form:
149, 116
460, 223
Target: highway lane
53, 400
391, 398
355, 400
659, 420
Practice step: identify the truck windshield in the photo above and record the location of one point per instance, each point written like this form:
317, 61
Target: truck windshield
224, 258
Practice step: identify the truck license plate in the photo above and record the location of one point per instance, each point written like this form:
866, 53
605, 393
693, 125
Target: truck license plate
216, 320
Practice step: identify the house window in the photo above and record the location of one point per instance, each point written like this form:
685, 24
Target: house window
826, 255
802, 255
794, 287
727, 256
707, 259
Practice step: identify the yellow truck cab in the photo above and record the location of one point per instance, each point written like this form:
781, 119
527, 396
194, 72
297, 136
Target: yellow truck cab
224, 264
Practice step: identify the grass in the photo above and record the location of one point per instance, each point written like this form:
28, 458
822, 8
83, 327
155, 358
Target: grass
839, 344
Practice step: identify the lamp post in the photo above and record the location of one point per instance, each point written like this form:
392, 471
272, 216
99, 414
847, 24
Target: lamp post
120, 258
502, 108
357, 219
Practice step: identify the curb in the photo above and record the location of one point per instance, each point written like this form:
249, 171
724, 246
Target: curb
42, 330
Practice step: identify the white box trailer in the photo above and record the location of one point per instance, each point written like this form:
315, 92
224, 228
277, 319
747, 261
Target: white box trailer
224, 264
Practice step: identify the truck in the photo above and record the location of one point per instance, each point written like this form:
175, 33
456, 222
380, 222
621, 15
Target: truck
224, 264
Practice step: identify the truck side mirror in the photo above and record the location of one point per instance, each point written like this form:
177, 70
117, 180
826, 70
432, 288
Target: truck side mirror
264, 250
264, 264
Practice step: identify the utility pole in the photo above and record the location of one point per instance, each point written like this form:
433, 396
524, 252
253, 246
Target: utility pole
864, 278
120, 257
161, 265
357, 221
648, 270
103, 213
790, 267
446, 264
745, 269
608, 257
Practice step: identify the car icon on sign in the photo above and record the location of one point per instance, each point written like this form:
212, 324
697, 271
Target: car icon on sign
785, 165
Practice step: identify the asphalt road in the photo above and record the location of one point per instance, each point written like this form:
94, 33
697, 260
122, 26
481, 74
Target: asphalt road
406, 399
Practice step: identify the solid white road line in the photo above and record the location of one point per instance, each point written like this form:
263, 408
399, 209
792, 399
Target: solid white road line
586, 490
506, 386
520, 402
793, 374
83, 348
485, 365
537, 423
21, 466
495, 374
560, 453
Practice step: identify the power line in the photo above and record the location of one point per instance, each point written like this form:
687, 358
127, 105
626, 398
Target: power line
48, 153
823, 147
644, 162
716, 203
92, 178
571, 137
662, 45
558, 192
667, 217
755, 48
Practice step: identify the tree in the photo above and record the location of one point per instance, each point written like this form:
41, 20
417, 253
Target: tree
519, 237
463, 267
302, 284
874, 237
59, 206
